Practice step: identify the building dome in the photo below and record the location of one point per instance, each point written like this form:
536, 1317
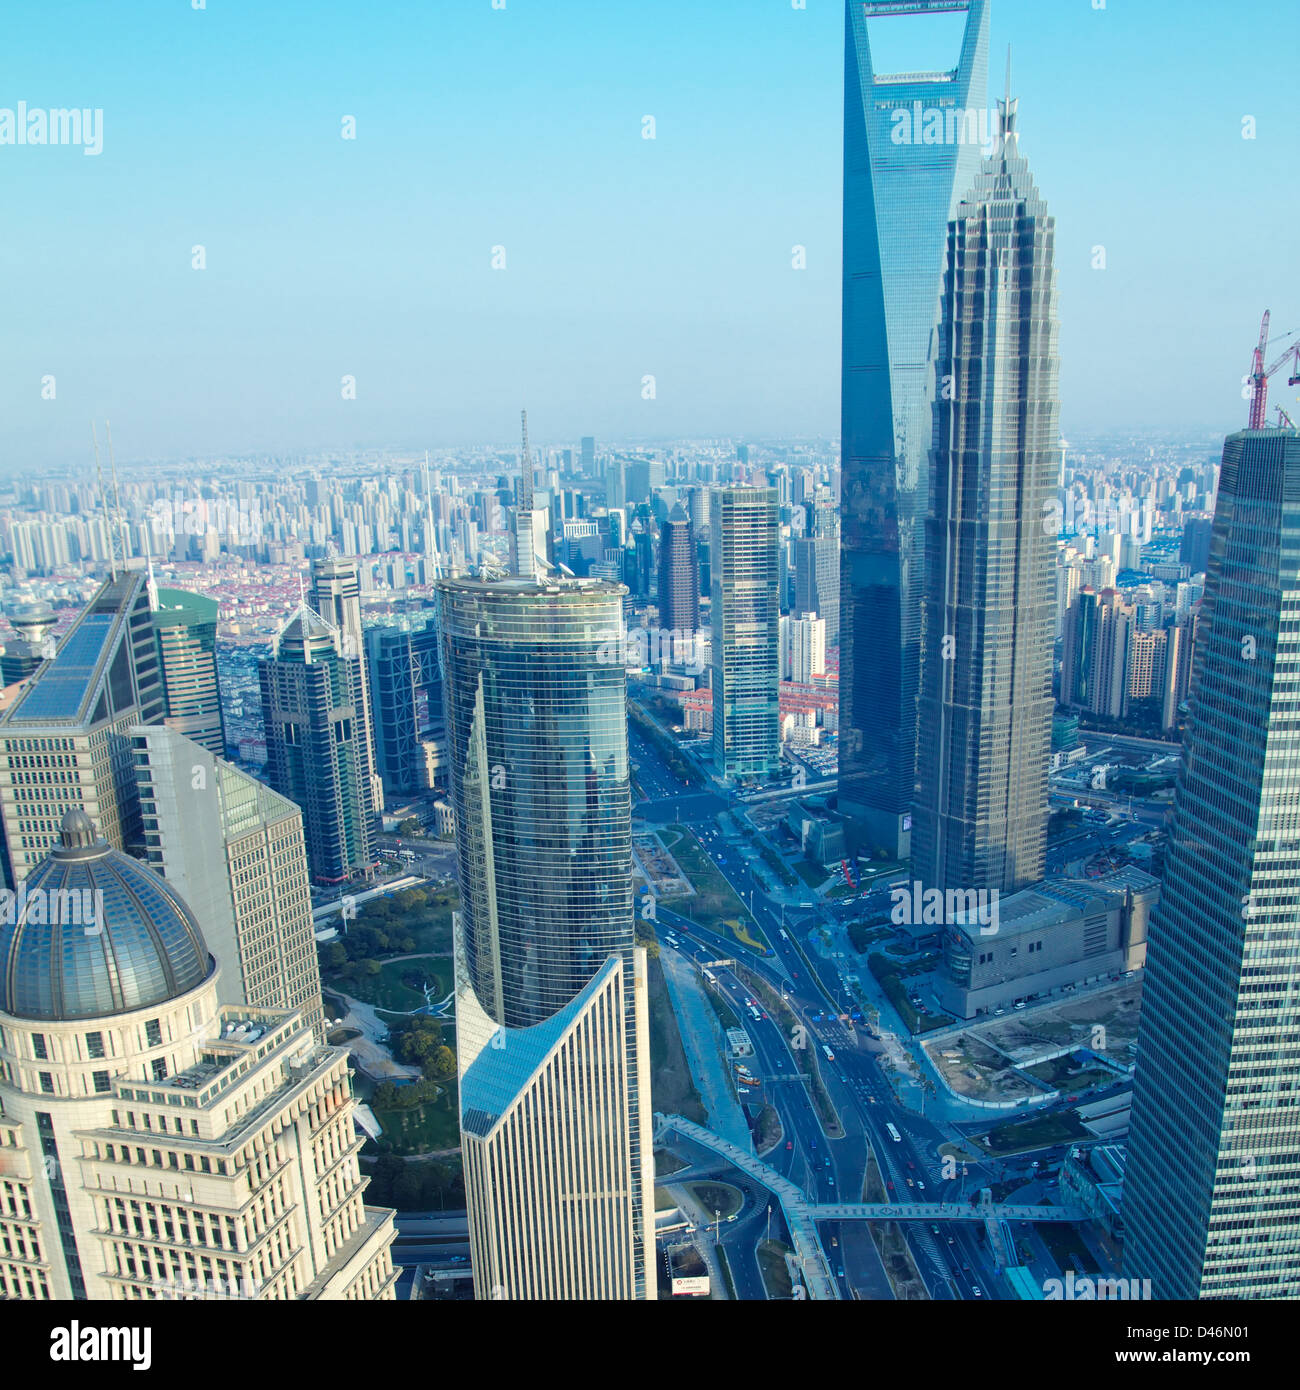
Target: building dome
96, 933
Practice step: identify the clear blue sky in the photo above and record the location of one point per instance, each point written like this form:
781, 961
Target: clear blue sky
522, 128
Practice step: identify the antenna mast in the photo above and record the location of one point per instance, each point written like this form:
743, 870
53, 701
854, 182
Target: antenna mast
117, 540
526, 470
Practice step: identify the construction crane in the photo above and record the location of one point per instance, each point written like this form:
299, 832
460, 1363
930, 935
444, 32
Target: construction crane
1284, 421
1259, 374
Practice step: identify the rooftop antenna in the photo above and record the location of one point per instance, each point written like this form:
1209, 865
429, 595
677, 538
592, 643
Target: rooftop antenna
1007, 111
526, 470
433, 529
119, 522
151, 585
103, 503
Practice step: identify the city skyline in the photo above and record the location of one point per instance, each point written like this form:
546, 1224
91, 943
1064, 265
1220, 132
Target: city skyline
287, 308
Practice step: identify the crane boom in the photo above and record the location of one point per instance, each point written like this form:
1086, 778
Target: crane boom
1259, 374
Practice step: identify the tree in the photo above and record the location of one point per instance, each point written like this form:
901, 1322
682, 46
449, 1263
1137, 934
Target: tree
409, 826
440, 1064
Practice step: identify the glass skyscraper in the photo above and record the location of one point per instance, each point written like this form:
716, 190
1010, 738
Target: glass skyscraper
1212, 1187
316, 753
745, 614
911, 151
985, 711
551, 1014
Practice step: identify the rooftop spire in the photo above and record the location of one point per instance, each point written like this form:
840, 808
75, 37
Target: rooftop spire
525, 470
1007, 113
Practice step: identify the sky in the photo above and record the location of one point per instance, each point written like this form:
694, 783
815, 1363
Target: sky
521, 126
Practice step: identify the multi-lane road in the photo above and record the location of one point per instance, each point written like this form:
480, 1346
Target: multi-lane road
954, 1262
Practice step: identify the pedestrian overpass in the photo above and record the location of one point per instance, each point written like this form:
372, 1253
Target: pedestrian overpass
802, 1216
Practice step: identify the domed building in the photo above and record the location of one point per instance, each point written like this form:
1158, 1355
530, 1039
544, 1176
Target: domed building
155, 1143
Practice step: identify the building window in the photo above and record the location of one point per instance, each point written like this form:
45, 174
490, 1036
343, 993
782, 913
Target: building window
102, 1083
47, 1083
38, 1047
153, 1032
159, 1065
94, 1044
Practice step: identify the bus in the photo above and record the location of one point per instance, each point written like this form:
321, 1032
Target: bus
784, 937
830, 1056
671, 939
894, 1134
754, 1014
711, 977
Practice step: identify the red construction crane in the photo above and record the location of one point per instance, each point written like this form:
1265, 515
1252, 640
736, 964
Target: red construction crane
1259, 374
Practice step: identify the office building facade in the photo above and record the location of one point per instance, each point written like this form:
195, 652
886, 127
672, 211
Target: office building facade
679, 575
65, 742
899, 197
984, 722
336, 597
185, 627
745, 615
551, 1013
316, 755
234, 850
1212, 1188
406, 703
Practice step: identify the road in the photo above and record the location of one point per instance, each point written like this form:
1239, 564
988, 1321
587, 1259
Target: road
952, 1264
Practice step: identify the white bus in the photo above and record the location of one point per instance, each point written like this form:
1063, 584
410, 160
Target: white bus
754, 1013
711, 977
894, 1134
830, 1056
671, 939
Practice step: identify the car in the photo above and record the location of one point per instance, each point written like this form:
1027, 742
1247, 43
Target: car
911, 1165
890, 1186
1020, 1003
789, 1143
910, 1183
835, 1240
841, 1274
976, 1290
951, 1240
920, 1184
732, 1217
813, 1142
830, 1180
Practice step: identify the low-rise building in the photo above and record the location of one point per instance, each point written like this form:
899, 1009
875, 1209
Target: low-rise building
1059, 932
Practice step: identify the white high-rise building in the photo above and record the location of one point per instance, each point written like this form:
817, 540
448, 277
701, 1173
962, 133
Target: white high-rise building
803, 648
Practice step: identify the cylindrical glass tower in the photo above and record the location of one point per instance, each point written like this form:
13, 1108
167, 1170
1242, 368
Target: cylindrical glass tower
535, 699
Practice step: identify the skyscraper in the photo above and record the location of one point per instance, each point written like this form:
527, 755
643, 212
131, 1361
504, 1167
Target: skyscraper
336, 596
185, 627
406, 701
158, 1144
315, 754
745, 617
985, 709
1212, 1187
234, 850
551, 1012
65, 742
899, 195
817, 579
679, 575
